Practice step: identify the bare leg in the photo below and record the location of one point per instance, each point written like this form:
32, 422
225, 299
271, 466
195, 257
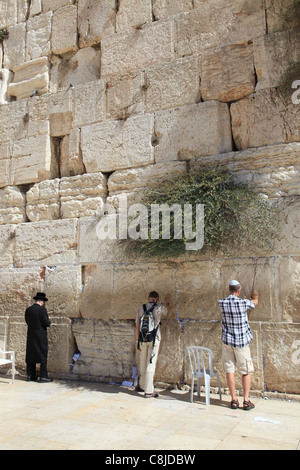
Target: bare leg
246, 381
231, 385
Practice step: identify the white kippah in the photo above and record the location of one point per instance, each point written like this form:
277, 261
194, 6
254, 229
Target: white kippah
233, 283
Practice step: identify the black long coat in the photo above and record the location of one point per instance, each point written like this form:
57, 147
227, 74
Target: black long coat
37, 321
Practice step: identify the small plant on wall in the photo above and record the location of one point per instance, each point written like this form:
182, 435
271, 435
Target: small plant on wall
3, 34
232, 216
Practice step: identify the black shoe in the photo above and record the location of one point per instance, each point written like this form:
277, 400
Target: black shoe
45, 379
31, 379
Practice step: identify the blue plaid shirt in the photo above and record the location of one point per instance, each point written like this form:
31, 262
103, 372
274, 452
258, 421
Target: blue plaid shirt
236, 331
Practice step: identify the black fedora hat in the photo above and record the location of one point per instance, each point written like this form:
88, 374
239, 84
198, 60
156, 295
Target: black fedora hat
40, 296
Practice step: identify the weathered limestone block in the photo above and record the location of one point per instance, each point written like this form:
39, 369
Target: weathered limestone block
217, 23
82, 196
38, 36
125, 95
197, 288
7, 236
252, 273
32, 160
8, 14
14, 46
281, 354
199, 129
169, 367
64, 30
92, 249
137, 50
12, 206
133, 14
38, 115
99, 344
273, 169
61, 113
95, 20
113, 145
63, 287
274, 55
281, 14
17, 334
30, 78
288, 288
46, 243
77, 69
145, 277
54, 5
132, 181
165, 8
35, 7
97, 295
5, 79
42, 201
70, 159
251, 118
227, 73
287, 240
208, 334
18, 287
173, 84
89, 103
5, 163
13, 121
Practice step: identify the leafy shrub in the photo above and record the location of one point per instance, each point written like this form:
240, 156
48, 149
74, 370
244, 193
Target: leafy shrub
235, 216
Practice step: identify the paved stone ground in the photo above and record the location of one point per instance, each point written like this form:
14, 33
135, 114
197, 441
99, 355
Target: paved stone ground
67, 415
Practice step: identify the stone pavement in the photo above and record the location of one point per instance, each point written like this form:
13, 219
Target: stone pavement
67, 415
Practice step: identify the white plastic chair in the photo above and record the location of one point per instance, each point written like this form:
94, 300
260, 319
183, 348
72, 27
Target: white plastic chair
198, 357
4, 360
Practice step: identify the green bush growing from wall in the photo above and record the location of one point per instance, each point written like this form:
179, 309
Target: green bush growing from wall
235, 215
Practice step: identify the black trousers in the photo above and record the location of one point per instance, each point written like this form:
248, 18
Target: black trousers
31, 370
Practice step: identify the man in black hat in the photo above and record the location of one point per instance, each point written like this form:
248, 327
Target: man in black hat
37, 321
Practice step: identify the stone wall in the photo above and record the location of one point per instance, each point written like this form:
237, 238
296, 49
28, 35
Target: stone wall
98, 99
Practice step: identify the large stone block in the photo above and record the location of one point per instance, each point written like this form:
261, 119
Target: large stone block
251, 118
288, 292
197, 288
99, 345
281, 355
42, 201
125, 95
38, 36
12, 206
137, 50
46, 243
97, 295
13, 121
14, 46
32, 160
199, 129
64, 30
113, 145
89, 103
18, 287
169, 367
133, 14
7, 237
274, 55
215, 23
63, 288
227, 72
145, 277
83, 195
176, 83
165, 8
30, 78
96, 20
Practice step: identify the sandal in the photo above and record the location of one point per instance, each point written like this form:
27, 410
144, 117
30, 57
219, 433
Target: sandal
234, 404
247, 405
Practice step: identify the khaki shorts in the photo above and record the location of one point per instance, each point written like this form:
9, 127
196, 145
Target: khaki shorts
239, 358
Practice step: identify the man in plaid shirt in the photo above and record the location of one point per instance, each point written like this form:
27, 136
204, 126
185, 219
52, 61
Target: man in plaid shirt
236, 336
